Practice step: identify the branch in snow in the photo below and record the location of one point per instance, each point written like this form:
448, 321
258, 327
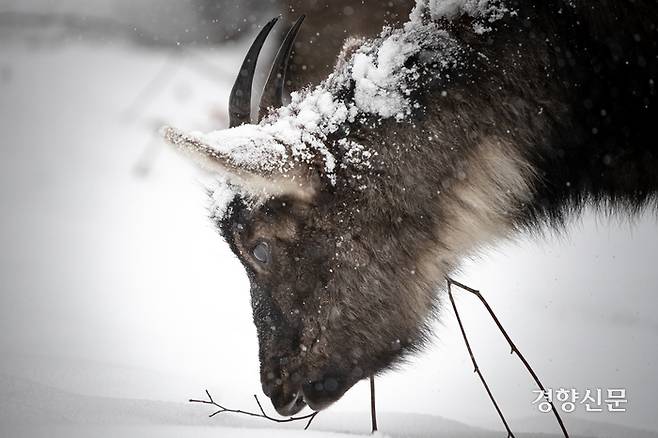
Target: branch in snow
262, 413
309, 417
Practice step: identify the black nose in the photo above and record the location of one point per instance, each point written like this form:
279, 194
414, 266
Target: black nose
321, 393
287, 402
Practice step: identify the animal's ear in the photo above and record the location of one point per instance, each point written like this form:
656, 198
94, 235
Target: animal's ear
244, 154
249, 159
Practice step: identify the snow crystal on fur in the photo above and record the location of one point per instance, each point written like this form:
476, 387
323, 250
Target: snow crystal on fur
483, 11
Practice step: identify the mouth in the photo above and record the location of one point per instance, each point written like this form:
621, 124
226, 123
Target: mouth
315, 395
292, 406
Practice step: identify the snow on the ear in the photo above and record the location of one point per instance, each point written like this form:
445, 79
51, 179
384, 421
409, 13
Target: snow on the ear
239, 150
248, 158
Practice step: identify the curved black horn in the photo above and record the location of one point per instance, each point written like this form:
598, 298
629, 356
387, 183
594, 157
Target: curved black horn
239, 105
273, 92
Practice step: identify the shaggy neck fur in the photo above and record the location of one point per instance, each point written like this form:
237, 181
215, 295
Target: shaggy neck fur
554, 112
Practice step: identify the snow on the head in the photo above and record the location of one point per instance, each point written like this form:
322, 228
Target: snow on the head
484, 12
221, 195
379, 80
378, 77
381, 86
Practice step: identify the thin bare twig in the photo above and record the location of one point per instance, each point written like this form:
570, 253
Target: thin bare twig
373, 410
262, 413
513, 347
475, 364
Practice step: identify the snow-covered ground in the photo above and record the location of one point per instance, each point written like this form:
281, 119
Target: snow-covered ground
118, 300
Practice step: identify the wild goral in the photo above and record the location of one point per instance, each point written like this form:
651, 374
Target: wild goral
471, 122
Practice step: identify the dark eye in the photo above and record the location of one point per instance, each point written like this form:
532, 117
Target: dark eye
261, 252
